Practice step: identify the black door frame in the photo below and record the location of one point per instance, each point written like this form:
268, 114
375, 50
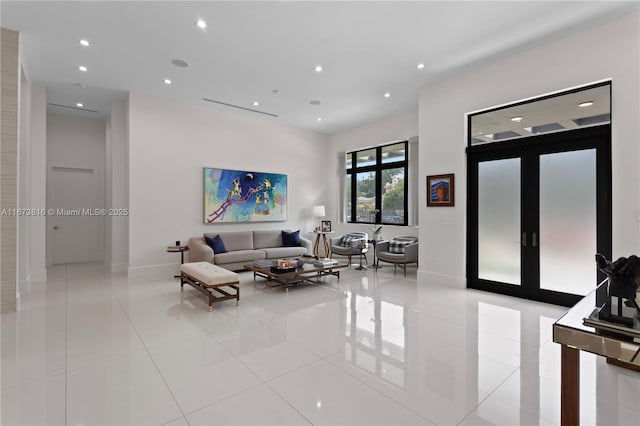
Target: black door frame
529, 150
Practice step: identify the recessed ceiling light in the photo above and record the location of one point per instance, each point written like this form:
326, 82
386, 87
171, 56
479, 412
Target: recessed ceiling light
420, 66
167, 81
318, 68
82, 68
516, 119
319, 119
386, 95
201, 23
256, 103
79, 104
84, 42
585, 104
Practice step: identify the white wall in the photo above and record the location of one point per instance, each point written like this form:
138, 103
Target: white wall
607, 50
78, 142
169, 144
390, 129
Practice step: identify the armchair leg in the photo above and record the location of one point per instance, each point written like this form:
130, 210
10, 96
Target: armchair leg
405, 269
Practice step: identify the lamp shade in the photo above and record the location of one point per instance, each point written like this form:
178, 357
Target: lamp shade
318, 211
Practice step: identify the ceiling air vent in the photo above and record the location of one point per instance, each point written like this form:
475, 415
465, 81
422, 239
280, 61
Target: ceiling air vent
72, 107
239, 107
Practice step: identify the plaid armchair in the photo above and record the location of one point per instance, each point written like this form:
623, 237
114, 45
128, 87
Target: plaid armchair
400, 250
351, 244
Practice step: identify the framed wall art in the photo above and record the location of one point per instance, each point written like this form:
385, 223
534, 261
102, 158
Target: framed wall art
440, 190
232, 196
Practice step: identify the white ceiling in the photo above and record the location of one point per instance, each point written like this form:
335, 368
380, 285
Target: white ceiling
249, 49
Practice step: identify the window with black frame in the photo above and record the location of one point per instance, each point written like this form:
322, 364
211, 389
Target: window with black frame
376, 189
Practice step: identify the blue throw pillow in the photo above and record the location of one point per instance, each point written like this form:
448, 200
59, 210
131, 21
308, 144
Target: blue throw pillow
291, 239
216, 244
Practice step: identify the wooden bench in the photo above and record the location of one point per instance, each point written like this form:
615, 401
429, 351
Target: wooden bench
209, 280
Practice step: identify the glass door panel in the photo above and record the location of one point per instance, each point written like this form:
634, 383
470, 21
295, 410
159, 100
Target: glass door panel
568, 226
499, 254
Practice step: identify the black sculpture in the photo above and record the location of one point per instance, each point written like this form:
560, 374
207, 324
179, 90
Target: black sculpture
623, 276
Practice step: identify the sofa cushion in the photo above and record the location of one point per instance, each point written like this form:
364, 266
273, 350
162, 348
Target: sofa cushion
291, 239
262, 239
238, 256
216, 243
242, 240
277, 252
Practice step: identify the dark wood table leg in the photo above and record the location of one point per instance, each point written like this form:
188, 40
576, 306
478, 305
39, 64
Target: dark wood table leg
570, 387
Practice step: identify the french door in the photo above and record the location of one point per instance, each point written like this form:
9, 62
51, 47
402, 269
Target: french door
539, 210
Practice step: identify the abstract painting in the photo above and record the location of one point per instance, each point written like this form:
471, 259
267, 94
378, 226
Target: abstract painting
232, 196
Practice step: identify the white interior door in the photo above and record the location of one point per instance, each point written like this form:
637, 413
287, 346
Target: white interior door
73, 227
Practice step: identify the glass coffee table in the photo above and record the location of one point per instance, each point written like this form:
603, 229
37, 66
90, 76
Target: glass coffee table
302, 270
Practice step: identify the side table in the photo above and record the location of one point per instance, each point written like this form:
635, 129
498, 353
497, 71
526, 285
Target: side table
363, 248
178, 249
323, 235
375, 243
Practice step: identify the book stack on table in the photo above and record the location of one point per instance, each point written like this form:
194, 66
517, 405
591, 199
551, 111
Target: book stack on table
324, 262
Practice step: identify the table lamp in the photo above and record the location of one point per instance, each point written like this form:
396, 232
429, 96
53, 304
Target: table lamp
319, 211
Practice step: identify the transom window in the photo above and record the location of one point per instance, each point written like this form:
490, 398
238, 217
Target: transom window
375, 189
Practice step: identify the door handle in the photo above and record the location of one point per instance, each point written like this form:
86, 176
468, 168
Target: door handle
524, 239
534, 240
56, 227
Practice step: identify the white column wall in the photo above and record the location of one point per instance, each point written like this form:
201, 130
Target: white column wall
37, 155
606, 50
170, 144
24, 174
117, 183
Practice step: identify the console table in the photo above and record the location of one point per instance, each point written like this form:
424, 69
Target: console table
570, 331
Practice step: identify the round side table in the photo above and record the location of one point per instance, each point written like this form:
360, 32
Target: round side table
178, 249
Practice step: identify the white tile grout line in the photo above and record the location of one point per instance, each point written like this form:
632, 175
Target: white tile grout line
489, 395
348, 373
320, 359
126, 313
262, 382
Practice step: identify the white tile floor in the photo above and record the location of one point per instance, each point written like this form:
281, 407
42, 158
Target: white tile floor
92, 348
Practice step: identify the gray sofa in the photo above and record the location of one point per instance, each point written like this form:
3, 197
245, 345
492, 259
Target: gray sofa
244, 247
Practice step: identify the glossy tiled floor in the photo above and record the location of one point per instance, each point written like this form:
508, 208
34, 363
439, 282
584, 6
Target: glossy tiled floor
92, 348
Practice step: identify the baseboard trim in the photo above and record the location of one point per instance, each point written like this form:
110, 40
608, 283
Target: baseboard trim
118, 267
429, 277
165, 271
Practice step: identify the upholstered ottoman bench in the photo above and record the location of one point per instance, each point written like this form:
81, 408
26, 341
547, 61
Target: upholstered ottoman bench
216, 283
